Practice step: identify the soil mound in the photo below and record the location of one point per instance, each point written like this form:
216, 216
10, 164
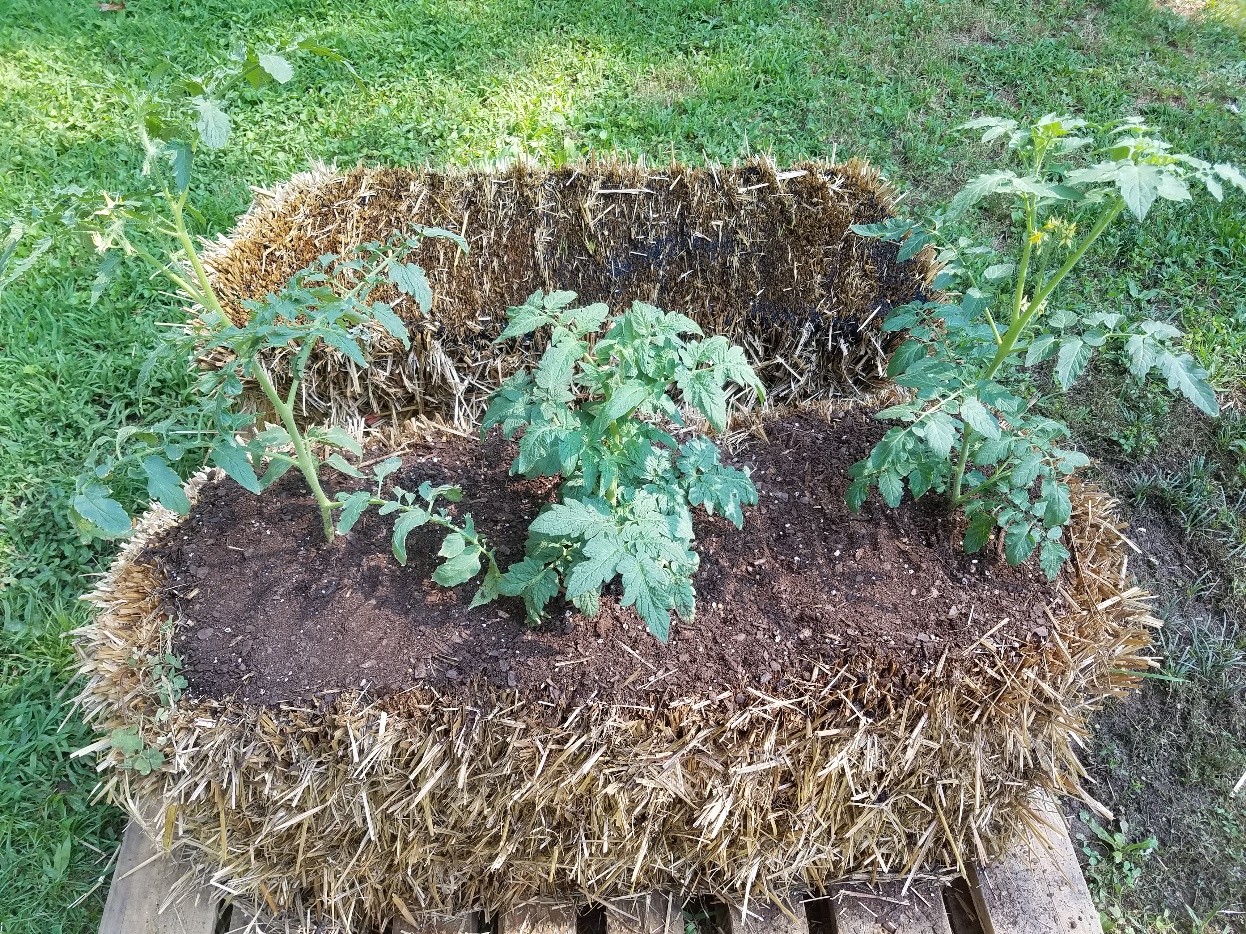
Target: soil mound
268, 612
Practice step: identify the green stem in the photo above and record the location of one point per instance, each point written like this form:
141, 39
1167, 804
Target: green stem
306, 460
959, 475
192, 256
1022, 319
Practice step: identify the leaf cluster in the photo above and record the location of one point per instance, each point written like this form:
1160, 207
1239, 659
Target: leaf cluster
593, 411
970, 430
328, 302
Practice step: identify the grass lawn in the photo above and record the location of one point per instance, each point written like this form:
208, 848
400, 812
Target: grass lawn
457, 82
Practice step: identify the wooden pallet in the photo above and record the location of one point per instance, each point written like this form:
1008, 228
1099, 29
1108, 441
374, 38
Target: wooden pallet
1035, 889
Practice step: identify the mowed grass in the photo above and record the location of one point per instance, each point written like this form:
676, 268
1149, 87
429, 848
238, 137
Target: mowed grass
471, 80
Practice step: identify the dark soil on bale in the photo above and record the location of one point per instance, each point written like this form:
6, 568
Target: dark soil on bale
268, 612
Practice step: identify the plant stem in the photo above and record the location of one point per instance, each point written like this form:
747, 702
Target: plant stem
192, 255
307, 462
959, 475
1021, 319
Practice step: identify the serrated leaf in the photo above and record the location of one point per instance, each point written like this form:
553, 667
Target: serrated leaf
1040, 349
644, 585
356, 504
573, 519
1139, 186
557, 364
998, 271
977, 417
94, 503
234, 461
939, 430
1072, 359
979, 188
460, 568
978, 532
1187, 377
337, 437
1057, 507
1052, 557
1019, 542
858, 491
488, 591
411, 279
346, 345
410, 520
599, 565
703, 389
164, 485
385, 468
905, 356
277, 67
213, 124
891, 487
390, 321
1231, 174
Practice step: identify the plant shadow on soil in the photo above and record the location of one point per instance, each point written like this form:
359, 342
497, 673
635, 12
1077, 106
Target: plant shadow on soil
268, 612
1166, 759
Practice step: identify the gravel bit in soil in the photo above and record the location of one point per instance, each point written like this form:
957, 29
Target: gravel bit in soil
269, 612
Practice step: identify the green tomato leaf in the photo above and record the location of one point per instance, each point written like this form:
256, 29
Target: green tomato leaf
410, 520
978, 532
356, 504
940, 431
164, 485
891, 487
458, 568
234, 461
213, 124
1072, 359
1187, 377
1139, 186
386, 317
337, 437
978, 417
411, 279
1019, 542
95, 504
1052, 557
338, 462
277, 67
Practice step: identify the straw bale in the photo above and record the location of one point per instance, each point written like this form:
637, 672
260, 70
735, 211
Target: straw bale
365, 809
761, 255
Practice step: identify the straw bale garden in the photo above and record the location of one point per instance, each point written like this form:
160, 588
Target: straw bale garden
464, 452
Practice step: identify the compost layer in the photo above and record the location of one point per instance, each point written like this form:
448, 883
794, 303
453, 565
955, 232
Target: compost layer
269, 612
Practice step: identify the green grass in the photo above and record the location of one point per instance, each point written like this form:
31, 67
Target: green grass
458, 82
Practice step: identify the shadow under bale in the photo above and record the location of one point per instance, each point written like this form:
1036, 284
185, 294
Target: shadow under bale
762, 256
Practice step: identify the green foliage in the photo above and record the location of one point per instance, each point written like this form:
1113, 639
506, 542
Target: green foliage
1116, 860
968, 431
328, 302
592, 412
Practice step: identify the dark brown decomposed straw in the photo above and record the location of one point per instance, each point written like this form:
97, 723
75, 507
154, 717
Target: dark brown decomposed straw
760, 255
365, 809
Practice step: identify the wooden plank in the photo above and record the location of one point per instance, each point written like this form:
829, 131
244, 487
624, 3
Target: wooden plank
538, 919
141, 884
655, 913
886, 908
767, 918
1037, 887
466, 923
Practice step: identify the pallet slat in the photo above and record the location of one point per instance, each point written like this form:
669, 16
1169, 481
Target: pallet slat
1036, 887
766, 918
655, 913
538, 919
450, 924
137, 894
886, 909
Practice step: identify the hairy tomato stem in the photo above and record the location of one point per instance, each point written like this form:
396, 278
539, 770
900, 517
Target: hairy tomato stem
307, 462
